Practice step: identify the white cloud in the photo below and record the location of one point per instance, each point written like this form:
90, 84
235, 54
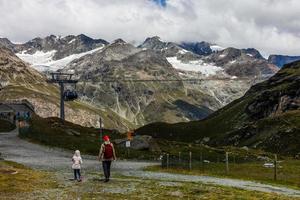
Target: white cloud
272, 26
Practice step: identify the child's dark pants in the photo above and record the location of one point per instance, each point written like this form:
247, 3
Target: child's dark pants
77, 174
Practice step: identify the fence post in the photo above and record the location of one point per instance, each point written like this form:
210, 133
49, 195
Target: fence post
227, 164
201, 160
167, 161
275, 167
190, 165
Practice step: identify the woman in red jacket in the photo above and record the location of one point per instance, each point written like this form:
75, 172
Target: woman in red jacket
107, 154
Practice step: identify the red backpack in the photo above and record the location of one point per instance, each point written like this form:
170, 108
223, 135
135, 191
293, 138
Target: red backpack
108, 151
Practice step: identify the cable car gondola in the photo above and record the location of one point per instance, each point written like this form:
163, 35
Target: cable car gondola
70, 95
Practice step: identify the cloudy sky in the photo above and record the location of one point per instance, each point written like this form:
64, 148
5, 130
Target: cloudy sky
272, 26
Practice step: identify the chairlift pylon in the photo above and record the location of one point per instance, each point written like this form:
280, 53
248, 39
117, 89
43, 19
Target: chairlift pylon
63, 79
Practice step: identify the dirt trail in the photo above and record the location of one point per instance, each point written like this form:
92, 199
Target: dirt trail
41, 157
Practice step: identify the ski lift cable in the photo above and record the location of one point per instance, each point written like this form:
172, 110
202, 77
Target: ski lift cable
110, 80
113, 80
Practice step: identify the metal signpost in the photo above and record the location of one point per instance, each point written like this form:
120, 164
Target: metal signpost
127, 144
101, 131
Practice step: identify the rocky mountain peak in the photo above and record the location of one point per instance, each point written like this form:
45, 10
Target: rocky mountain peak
119, 41
231, 53
90, 41
153, 39
51, 37
83, 37
253, 52
200, 48
154, 43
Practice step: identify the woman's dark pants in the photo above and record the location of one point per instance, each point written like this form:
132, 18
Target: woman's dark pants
106, 169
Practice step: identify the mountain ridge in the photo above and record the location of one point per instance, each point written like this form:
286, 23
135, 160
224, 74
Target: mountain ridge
153, 59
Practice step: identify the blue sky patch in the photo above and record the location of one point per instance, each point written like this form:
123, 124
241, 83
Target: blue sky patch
162, 3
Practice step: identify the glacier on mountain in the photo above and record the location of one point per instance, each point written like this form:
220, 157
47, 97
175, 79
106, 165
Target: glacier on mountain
195, 66
43, 61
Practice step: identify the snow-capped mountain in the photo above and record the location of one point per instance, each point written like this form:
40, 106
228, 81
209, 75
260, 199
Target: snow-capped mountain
181, 58
53, 52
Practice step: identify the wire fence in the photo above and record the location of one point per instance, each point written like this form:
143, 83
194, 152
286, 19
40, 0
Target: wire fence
222, 164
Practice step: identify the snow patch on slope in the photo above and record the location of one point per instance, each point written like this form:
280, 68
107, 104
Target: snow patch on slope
72, 41
183, 51
195, 66
216, 48
43, 61
38, 57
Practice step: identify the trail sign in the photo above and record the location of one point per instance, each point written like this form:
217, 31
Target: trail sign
127, 144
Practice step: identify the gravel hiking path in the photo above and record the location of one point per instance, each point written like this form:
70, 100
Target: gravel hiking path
53, 159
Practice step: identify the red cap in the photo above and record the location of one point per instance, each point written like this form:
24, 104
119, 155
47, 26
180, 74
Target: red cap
106, 138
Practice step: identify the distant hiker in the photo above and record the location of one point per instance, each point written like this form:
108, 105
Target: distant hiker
106, 155
77, 161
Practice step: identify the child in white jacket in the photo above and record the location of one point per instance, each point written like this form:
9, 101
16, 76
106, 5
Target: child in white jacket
77, 161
